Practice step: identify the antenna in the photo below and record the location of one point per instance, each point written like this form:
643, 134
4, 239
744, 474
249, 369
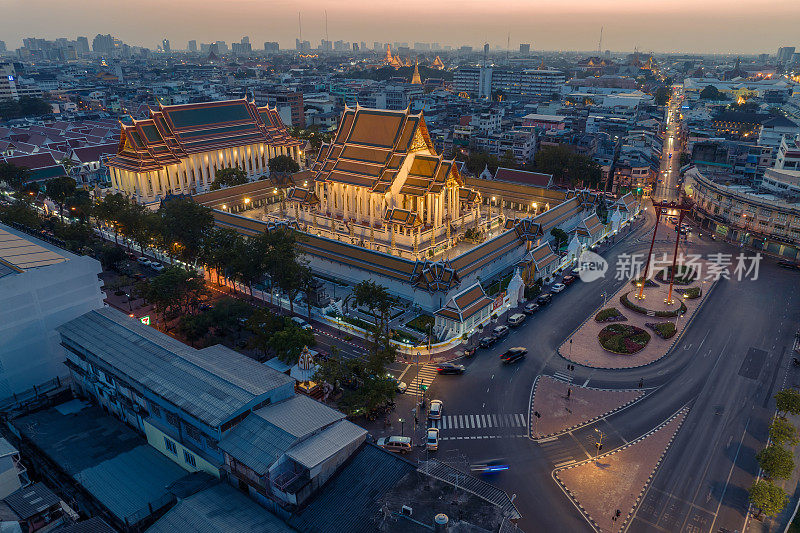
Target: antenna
326, 25
600, 42
508, 46
300, 25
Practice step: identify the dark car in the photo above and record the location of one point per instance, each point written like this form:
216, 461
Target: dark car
450, 368
568, 280
544, 299
469, 351
487, 342
513, 354
530, 308
500, 331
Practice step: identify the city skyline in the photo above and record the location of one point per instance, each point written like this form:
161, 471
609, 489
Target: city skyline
713, 27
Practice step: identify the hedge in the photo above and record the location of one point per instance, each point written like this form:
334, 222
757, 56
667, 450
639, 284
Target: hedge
691, 293
623, 339
611, 314
665, 330
643, 310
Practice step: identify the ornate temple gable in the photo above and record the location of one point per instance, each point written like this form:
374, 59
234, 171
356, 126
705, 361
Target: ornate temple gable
435, 276
526, 228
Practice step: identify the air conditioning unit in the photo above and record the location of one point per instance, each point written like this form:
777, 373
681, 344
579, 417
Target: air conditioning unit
406, 510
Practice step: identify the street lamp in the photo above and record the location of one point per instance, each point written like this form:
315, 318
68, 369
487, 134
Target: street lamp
598, 444
402, 427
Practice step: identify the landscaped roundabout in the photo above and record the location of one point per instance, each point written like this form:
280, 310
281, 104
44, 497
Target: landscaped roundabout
623, 339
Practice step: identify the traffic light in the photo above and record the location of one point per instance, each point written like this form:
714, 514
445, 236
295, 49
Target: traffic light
599, 445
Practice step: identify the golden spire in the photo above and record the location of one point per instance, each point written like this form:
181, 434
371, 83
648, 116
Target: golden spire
415, 79
388, 58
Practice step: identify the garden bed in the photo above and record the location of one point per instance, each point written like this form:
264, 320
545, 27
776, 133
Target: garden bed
665, 330
421, 323
623, 339
691, 293
647, 283
643, 310
611, 314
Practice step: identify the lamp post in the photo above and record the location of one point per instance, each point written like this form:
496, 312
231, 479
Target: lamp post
402, 427
598, 444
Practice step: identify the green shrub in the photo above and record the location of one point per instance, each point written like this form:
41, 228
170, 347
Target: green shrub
611, 314
639, 309
691, 293
623, 339
665, 330
421, 323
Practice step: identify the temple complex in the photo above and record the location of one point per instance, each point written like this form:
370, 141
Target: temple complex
179, 149
380, 184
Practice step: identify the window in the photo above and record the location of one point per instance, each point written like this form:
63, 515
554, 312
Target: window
170, 446
154, 409
193, 432
173, 420
188, 458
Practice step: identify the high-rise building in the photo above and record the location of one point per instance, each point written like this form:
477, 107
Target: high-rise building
355, 47
271, 47
193, 46
165, 45
525, 48
2, 46
82, 45
288, 103
103, 44
245, 40
376, 46
241, 48
785, 54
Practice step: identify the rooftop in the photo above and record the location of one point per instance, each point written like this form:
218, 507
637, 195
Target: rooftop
213, 384
19, 252
30, 501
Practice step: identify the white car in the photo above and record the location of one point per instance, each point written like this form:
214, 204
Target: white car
395, 444
558, 287
435, 411
158, 267
432, 439
301, 323
142, 260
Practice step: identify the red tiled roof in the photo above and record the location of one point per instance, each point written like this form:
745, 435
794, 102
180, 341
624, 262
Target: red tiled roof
32, 161
523, 177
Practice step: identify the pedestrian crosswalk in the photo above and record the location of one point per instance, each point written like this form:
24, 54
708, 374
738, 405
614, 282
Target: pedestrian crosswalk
425, 376
563, 376
479, 421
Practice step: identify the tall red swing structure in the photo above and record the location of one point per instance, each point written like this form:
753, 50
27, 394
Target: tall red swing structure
662, 208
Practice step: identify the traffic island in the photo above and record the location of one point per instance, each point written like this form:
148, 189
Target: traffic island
589, 344
560, 412
617, 480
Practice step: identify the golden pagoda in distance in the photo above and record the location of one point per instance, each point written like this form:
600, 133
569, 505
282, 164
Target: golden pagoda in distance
437, 63
415, 79
392, 61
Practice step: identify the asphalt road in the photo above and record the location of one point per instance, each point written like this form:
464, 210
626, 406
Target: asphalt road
726, 367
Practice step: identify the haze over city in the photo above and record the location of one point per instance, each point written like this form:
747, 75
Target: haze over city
715, 26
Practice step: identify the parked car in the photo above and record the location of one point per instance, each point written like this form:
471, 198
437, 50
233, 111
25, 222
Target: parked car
435, 410
395, 444
516, 320
500, 331
158, 267
450, 368
488, 341
142, 260
558, 287
531, 308
514, 354
568, 280
544, 299
432, 439
400, 386
301, 323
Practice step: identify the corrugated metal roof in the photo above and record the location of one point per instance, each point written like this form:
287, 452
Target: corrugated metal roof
256, 443
319, 447
30, 501
350, 500
213, 384
219, 509
299, 415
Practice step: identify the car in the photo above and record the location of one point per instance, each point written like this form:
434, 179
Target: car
450, 368
575, 271
158, 267
558, 287
142, 260
487, 342
544, 299
205, 307
469, 351
489, 466
432, 439
568, 280
500, 331
435, 410
301, 323
401, 387
130, 255
516, 320
513, 354
395, 444
531, 308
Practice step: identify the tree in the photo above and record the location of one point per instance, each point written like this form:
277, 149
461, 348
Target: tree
194, 327
559, 236
184, 225
788, 402
109, 209
14, 176
377, 299
226, 314
217, 249
289, 341
24, 107
710, 92
567, 167
263, 324
59, 190
80, 205
283, 163
477, 161
767, 498
111, 256
776, 462
662, 95
228, 177
173, 291
782, 432
508, 160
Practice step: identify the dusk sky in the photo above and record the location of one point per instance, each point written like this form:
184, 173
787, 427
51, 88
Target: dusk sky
662, 26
